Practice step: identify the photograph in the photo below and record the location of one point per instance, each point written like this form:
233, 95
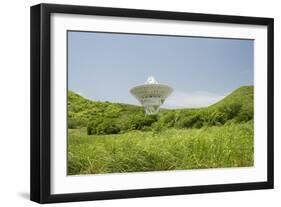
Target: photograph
149, 102
132, 103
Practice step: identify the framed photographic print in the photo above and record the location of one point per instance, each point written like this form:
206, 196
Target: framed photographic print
133, 103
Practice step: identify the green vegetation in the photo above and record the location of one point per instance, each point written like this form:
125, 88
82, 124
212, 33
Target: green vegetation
111, 137
112, 118
174, 149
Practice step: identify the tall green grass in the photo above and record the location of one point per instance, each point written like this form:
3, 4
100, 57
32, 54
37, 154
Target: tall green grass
230, 145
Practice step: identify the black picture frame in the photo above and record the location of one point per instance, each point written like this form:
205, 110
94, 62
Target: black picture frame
40, 184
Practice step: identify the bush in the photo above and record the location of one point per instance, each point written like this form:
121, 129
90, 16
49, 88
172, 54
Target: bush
244, 116
190, 121
198, 124
217, 118
157, 127
107, 127
169, 119
112, 129
140, 122
92, 127
230, 110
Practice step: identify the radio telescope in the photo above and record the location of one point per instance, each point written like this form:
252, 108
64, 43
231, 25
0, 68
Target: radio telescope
151, 95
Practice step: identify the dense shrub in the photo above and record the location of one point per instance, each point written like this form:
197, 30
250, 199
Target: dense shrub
158, 127
230, 110
92, 127
106, 126
217, 118
139, 122
198, 124
244, 116
190, 121
169, 119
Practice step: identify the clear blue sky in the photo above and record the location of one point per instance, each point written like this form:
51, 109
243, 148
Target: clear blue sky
104, 66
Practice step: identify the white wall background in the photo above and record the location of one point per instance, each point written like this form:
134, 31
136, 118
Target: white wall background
14, 102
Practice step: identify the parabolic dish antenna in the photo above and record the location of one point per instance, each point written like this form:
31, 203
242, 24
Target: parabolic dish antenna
151, 95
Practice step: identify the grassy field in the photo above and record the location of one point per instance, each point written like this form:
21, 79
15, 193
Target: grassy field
230, 145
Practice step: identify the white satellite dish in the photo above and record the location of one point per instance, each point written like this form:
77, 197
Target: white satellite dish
151, 95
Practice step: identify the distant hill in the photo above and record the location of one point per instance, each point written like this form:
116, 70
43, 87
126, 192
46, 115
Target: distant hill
243, 95
242, 100
106, 117
84, 110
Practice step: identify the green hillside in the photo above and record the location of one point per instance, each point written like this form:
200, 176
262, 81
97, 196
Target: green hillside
82, 111
113, 118
243, 97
